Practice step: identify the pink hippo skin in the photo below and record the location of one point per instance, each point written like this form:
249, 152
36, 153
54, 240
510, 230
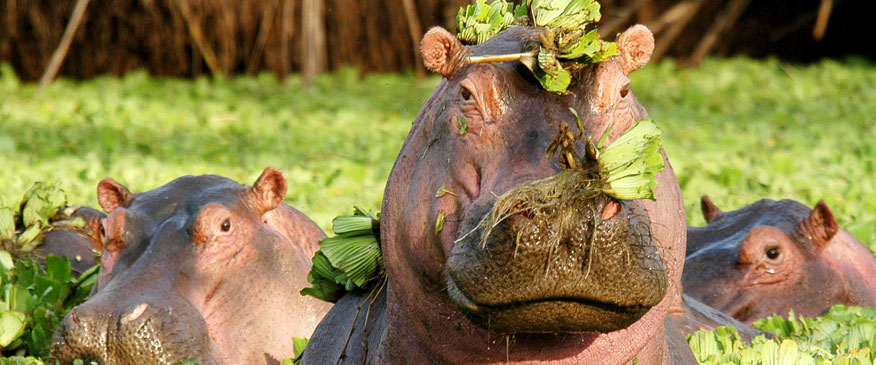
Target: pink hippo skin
201, 268
772, 256
451, 298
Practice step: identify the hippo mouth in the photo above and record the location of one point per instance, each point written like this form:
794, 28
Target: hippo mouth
548, 315
591, 272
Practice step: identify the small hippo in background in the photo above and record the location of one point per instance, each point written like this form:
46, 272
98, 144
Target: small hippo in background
773, 256
77, 244
201, 268
457, 292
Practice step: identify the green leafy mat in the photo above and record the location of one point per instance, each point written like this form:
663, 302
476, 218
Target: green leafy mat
845, 335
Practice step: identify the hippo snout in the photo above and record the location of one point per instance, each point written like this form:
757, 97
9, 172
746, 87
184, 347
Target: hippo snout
141, 331
588, 266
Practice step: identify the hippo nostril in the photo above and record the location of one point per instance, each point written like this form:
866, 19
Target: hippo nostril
135, 313
610, 209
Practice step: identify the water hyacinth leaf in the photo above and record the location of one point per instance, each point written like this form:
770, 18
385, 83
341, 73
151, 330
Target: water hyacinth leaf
557, 83
7, 224
40, 203
28, 239
12, 324
463, 126
352, 225
356, 256
565, 14
479, 22
585, 45
298, 346
58, 268
6, 261
322, 278
630, 165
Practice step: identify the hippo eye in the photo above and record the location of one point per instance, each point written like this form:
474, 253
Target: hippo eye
772, 253
466, 94
226, 225
624, 91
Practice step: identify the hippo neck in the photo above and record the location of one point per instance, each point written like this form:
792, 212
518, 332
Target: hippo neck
421, 330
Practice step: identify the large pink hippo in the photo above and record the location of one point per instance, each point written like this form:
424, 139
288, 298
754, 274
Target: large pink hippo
458, 295
772, 256
201, 268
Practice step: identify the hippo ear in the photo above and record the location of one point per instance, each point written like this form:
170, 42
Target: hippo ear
442, 52
269, 189
820, 226
111, 195
710, 210
635, 46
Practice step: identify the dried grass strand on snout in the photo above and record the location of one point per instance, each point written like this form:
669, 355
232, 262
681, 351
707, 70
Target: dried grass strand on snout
555, 205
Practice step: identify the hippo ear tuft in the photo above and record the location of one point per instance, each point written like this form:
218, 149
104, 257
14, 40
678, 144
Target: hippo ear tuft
111, 195
442, 52
269, 189
710, 210
820, 226
635, 46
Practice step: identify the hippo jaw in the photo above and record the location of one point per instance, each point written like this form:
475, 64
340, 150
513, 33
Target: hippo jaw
601, 275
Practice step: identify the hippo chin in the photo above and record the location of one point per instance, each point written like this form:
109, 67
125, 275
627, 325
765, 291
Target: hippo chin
773, 256
201, 268
595, 291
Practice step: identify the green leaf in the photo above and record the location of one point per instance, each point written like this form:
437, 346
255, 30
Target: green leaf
463, 126
439, 223
352, 225
630, 165
58, 268
7, 224
30, 238
6, 260
356, 256
12, 324
298, 346
479, 22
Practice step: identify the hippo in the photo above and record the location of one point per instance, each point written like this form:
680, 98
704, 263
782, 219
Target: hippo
454, 293
773, 256
202, 268
77, 244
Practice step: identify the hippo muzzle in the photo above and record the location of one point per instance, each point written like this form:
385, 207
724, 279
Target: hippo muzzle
601, 272
135, 331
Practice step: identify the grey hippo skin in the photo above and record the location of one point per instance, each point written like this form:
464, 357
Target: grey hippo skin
77, 244
452, 297
201, 268
772, 256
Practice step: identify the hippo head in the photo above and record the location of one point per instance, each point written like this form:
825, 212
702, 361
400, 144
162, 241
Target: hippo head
773, 256
485, 132
194, 269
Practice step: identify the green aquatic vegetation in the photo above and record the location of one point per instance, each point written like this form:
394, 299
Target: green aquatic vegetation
844, 335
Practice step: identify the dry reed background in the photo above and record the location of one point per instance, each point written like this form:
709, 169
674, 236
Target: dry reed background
177, 37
